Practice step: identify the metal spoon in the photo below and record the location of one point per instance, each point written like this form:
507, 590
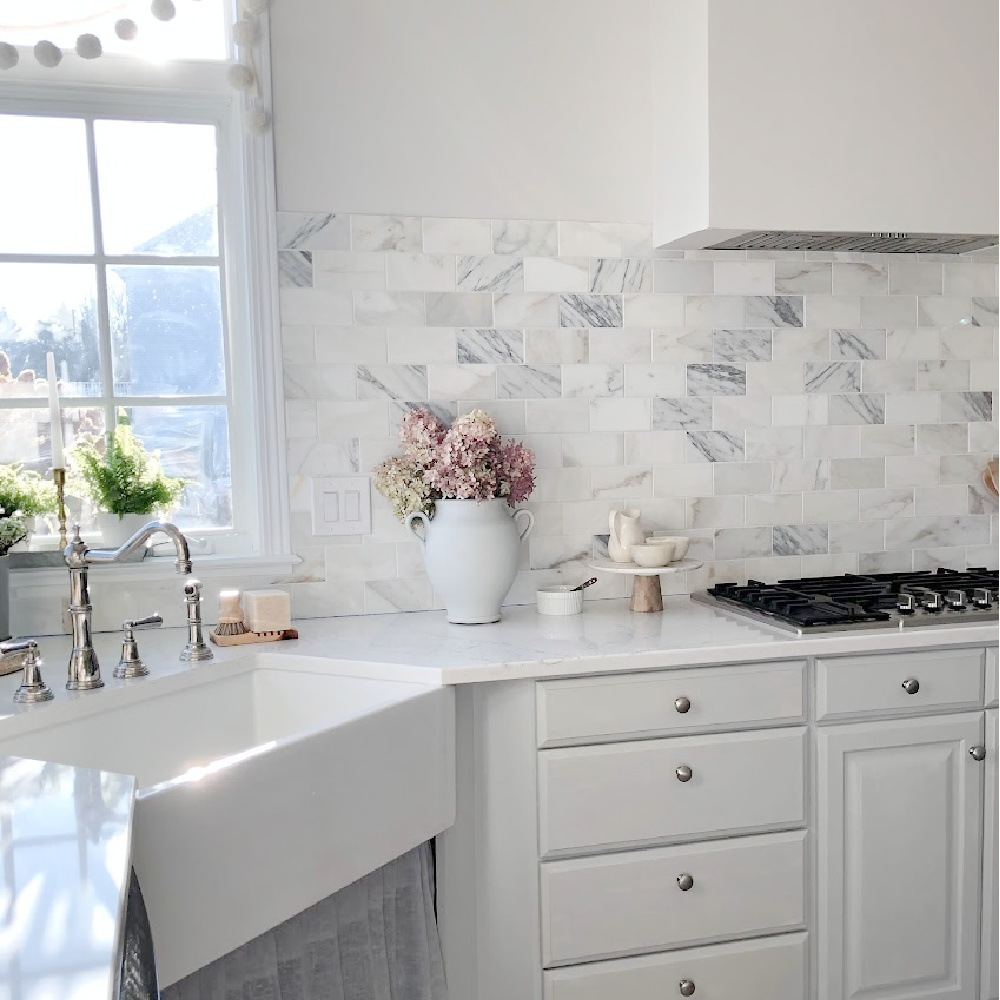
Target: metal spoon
585, 584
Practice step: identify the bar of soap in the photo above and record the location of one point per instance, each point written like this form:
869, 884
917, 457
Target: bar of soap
267, 610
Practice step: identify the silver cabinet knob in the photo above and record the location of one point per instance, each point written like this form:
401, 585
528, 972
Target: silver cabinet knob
978, 753
911, 685
685, 882
682, 705
683, 773
687, 987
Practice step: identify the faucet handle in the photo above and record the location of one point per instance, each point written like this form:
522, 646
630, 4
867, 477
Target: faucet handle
195, 648
33, 689
131, 665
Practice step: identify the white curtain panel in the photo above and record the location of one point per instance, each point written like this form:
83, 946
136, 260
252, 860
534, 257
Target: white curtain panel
377, 939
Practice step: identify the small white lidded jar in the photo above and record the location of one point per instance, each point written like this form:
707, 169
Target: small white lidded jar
559, 600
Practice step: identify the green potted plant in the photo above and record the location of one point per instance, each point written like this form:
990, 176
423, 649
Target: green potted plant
24, 495
125, 483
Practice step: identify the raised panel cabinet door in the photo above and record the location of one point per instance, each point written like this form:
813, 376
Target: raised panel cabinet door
989, 975
899, 836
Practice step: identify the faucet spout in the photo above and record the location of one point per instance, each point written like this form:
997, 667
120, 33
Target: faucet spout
136, 542
84, 668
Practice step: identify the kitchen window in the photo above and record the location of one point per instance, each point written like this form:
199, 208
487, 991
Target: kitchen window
133, 245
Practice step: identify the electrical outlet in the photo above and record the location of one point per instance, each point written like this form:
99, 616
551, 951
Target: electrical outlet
341, 505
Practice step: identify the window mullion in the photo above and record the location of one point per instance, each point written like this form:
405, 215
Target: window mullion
103, 313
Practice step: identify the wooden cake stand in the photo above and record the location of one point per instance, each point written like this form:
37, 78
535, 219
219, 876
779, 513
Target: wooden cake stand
646, 592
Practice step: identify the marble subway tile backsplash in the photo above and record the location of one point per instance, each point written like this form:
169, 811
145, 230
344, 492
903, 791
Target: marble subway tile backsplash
792, 413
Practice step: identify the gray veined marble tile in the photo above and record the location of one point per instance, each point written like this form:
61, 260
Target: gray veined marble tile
590, 239
526, 238
593, 380
681, 413
883, 504
773, 310
386, 232
857, 408
590, 310
742, 345
459, 309
400, 382
621, 274
743, 543
802, 276
801, 475
715, 446
490, 347
313, 231
985, 310
837, 376
716, 380
495, 273
847, 345
931, 532
529, 381
295, 268
800, 539
966, 407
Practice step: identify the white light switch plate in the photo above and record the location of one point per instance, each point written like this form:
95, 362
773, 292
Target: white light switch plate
341, 505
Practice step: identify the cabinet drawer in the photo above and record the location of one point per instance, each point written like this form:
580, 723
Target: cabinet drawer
630, 792
620, 903
769, 969
588, 709
945, 679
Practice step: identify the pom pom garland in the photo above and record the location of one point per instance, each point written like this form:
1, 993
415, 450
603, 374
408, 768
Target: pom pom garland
241, 77
88, 46
9, 55
258, 121
163, 10
47, 54
244, 33
126, 29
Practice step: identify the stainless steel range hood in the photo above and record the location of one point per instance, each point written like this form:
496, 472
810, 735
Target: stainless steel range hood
860, 125
860, 242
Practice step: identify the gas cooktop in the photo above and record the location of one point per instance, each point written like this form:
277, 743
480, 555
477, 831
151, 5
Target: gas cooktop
882, 600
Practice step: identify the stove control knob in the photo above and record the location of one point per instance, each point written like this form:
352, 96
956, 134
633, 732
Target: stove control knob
982, 597
933, 602
956, 600
906, 604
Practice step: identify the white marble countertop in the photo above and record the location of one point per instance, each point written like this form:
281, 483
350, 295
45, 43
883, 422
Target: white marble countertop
422, 647
64, 834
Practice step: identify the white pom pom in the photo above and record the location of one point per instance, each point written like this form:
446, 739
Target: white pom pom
88, 46
126, 29
163, 10
47, 54
244, 33
254, 6
8, 55
258, 121
240, 77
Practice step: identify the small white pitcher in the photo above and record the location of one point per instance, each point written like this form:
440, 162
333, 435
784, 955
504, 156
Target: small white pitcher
624, 532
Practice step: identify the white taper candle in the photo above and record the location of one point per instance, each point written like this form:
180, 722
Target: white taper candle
58, 459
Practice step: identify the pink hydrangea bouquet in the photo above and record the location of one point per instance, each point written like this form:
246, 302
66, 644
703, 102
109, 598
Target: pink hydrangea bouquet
466, 461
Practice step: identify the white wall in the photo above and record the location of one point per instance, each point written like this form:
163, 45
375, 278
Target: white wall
475, 108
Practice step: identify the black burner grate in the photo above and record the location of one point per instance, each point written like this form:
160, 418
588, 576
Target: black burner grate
825, 601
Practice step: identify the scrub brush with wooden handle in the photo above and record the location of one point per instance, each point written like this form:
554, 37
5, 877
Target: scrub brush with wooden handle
230, 614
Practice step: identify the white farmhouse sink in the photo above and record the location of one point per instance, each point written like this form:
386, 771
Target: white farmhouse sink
264, 785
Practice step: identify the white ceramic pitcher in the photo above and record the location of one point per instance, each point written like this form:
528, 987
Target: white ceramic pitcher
624, 531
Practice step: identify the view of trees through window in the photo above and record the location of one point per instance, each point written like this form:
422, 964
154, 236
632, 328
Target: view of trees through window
110, 259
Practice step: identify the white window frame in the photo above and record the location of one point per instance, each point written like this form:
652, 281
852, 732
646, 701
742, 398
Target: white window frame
121, 87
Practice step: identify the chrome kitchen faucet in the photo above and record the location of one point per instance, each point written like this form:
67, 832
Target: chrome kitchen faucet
84, 669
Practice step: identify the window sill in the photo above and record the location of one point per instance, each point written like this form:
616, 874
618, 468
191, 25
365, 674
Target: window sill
161, 567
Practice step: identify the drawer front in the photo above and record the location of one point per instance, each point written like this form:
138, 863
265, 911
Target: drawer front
588, 709
626, 793
944, 679
992, 677
632, 902
768, 969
